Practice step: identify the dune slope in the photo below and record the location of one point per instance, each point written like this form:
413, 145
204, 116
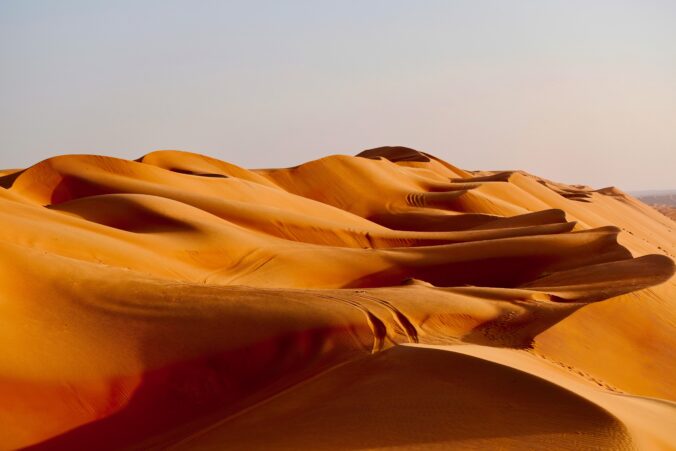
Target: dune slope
385, 300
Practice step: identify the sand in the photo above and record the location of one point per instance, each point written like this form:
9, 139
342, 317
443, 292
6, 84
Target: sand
667, 210
384, 300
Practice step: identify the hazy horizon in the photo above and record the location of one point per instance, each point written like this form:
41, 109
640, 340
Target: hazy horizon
578, 92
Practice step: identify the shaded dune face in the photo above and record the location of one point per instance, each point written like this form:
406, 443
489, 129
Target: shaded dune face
161, 301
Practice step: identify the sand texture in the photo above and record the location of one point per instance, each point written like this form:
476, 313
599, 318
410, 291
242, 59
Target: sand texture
667, 210
385, 300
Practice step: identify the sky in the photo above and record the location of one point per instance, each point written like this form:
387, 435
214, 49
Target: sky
574, 91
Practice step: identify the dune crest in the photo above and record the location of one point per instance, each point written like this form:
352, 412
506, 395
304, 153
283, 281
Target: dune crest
179, 300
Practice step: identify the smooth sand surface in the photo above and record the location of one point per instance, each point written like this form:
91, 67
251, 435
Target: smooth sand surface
388, 300
667, 210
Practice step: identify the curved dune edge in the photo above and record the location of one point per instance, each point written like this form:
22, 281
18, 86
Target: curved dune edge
179, 300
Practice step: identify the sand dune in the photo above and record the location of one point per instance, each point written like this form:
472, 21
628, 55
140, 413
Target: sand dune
666, 210
387, 300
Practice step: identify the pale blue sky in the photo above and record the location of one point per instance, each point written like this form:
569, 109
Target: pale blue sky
576, 91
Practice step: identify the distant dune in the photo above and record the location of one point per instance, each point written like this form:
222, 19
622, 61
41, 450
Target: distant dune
664, 196
387, 300
666, 210
663, 201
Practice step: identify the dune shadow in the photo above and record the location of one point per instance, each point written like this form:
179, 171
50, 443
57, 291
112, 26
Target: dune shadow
191, 393
414, 396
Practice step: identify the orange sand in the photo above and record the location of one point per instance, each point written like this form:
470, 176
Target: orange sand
388, 300
667, 210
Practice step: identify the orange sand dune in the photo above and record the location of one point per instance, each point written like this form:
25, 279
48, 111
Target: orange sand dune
667, 210
388, 300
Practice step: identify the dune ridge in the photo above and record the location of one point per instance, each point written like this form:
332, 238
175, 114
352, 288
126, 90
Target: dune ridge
181, 301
